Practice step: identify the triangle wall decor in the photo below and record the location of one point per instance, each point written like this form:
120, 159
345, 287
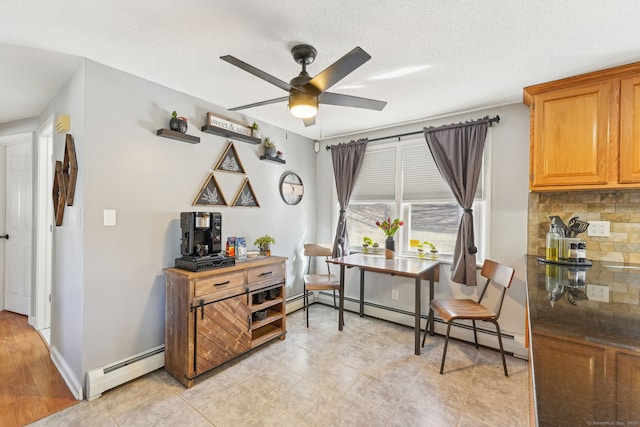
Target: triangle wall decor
210, 194
245, 196
229, 161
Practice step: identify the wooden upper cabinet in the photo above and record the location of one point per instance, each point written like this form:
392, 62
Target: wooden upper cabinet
630, 130
585, 131
571, 136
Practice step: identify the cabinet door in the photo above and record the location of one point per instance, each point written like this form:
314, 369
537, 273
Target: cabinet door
628, 386
222, 333
562, 367
630, 130
570, 138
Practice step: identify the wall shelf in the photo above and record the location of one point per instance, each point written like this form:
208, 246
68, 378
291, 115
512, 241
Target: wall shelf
273, 159
230, 134
172, 134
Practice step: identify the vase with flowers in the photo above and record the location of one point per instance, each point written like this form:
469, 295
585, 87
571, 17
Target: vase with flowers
389, 228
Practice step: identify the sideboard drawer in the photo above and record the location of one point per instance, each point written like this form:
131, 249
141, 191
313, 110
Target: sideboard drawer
273, 273
218, 283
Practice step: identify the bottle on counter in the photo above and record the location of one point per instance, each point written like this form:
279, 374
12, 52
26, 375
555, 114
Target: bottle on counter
573, 252
553, 238
582, 252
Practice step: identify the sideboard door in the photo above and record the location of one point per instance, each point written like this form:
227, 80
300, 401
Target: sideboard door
223, 333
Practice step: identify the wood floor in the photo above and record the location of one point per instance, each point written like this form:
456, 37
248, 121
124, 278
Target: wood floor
30, 385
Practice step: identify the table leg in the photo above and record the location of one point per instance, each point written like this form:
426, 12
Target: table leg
417, 326
431, 316
362, 292
341, 305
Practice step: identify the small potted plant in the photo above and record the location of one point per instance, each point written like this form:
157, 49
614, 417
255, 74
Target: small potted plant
264, 244
366, 242
270, 147
375, 247
178, 123
255, 130
433, 251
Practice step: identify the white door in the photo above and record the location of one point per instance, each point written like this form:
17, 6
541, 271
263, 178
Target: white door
17, 284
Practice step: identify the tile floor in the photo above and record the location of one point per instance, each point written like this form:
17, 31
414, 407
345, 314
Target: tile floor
366, 375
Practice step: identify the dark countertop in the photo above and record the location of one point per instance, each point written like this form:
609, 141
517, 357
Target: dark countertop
585, 342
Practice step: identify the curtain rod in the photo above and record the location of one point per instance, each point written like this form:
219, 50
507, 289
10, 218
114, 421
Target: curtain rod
492, 120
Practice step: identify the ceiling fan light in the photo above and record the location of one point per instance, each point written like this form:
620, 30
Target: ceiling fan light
303, 105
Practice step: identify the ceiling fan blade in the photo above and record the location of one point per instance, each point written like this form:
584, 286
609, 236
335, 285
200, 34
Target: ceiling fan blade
350, 101
309, 121
258, 104
257, 72
339, 69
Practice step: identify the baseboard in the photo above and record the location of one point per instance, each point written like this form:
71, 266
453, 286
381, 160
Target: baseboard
296, 303
512, 343
67, 374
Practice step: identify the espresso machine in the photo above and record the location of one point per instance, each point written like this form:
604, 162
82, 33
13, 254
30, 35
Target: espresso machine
201, 244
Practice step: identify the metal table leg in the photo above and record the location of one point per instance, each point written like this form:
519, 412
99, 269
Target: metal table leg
431, 290
417, 308
341, 306
362, 292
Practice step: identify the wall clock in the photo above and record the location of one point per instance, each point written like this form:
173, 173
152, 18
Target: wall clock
291, 188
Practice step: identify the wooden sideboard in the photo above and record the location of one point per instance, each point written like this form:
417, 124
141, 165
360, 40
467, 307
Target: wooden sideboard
216, 315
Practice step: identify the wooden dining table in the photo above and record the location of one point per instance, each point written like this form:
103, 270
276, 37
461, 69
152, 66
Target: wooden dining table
415, 268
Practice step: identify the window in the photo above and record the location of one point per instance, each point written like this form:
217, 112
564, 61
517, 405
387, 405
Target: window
362, 219
401, 180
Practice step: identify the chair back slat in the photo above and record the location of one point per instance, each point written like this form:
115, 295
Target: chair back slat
316, 249
498, 273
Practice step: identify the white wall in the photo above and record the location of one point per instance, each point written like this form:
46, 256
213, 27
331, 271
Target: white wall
508, 229
67, 320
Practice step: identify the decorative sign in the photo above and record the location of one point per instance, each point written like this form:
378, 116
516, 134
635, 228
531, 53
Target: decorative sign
210, 194
59, 193
70, 169
246, 197
229, 161
226, 124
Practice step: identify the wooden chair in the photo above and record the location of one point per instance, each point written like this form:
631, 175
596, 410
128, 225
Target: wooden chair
451, 309
318, 282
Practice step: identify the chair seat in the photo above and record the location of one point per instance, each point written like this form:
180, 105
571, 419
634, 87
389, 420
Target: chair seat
451, 309
316, 282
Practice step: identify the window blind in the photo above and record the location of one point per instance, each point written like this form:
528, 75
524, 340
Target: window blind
377, 178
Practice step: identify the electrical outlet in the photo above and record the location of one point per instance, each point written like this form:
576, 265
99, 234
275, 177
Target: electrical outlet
599, 229
598, 293
394, 294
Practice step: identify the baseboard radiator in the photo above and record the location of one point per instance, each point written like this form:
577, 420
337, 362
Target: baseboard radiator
107, 377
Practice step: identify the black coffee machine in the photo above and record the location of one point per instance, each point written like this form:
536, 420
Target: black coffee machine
201, 245
201, 233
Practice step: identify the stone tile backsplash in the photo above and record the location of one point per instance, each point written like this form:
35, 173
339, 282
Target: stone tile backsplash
621, 208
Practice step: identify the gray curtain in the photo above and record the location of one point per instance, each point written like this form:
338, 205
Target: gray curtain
347, 160
457, 151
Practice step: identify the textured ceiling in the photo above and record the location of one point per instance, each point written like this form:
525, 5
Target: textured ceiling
429, 57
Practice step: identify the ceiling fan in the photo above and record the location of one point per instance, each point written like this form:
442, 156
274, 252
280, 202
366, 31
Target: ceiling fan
305, 93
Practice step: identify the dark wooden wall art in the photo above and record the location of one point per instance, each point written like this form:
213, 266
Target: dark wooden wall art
59, 193
246, 197
210, 194
70, 169
229, 161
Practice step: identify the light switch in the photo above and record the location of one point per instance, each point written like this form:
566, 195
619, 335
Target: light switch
109, 216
